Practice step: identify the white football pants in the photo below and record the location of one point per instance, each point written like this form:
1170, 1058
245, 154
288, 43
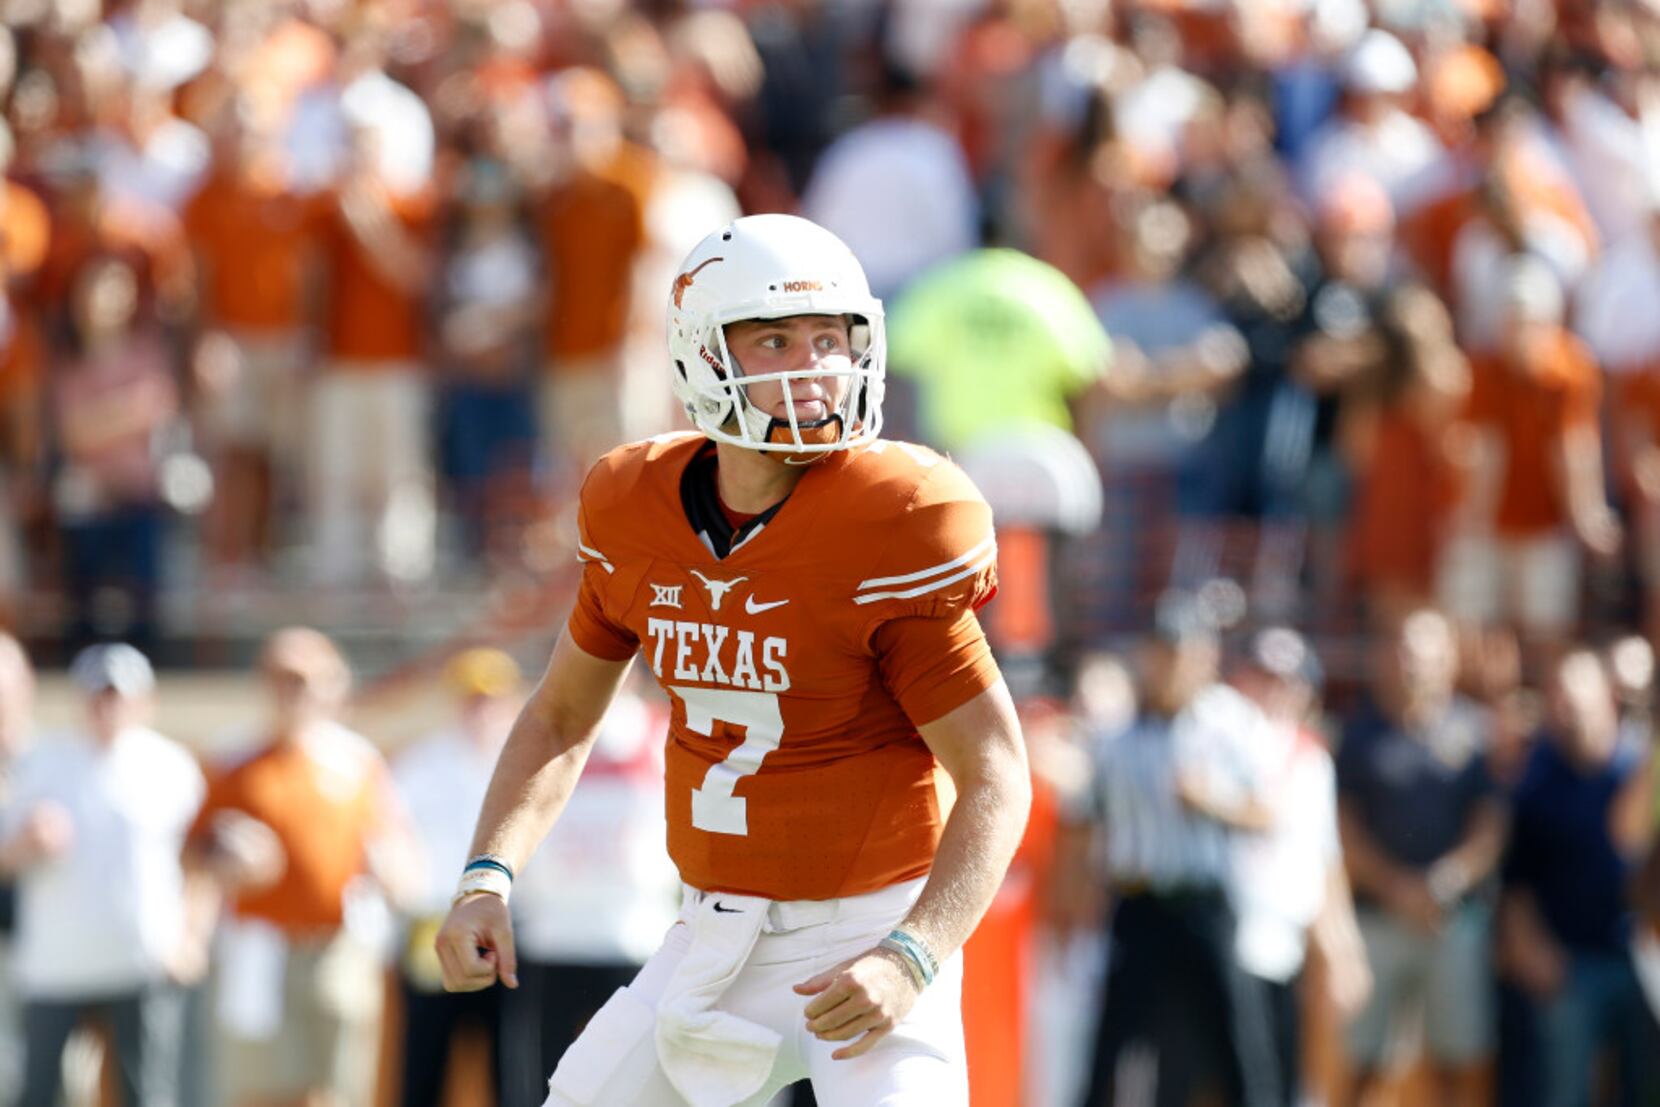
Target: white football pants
921, 1063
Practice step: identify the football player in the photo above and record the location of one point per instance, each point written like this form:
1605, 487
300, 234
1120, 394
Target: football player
805, 592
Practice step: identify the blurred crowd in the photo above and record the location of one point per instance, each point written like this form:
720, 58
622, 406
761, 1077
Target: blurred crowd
1332, 321
1410, 891
334, 295
235, 929
331, 296
1241, 884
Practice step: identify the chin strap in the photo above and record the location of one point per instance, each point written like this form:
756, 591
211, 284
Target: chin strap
820, 432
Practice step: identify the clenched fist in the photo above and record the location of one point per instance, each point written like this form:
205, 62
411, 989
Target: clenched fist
475, 945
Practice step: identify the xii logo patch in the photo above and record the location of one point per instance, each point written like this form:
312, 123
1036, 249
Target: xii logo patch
666, 595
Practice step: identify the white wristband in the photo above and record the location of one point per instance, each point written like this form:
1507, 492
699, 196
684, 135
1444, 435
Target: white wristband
487, 881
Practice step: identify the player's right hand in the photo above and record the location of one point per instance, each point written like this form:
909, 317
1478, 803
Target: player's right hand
863, 998
475, 945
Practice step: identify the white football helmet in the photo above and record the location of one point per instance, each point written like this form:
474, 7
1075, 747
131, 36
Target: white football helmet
769, 267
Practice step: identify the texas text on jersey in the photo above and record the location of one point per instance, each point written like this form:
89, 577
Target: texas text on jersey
783, 656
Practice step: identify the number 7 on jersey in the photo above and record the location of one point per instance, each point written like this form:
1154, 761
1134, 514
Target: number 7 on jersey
714, 807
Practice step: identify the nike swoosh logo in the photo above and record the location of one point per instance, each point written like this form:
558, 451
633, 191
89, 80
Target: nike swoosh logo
727, 910
754, 608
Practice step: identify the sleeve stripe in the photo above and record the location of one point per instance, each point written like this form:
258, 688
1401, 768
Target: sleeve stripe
876, 582
587, 553
989, 558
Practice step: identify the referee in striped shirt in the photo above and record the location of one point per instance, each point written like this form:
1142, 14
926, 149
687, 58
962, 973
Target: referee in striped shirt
1169, 797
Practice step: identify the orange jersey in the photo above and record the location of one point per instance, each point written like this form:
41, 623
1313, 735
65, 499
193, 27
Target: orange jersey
800, 665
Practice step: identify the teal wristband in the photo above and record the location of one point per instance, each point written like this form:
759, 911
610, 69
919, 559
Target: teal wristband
488, 861
918, 957
929, 962
912, 966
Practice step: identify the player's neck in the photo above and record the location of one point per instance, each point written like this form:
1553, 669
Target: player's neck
751, 481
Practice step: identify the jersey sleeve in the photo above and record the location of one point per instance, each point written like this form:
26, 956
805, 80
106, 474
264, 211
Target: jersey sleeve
933, 666
590, 626
918, 598
939, 555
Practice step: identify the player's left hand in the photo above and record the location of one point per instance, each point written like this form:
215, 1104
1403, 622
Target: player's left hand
864, 998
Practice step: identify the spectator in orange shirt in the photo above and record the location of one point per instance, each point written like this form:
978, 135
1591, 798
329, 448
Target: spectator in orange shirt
247, 230
1532, 468
1398, 442
25, 226
592, 231
302, 835
21, 381
370, 479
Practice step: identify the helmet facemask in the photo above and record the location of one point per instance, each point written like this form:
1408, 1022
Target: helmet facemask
853, 418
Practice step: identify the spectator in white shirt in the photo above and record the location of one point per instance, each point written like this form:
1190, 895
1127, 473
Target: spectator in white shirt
896, 189
1290, 886
442, 780
95, 832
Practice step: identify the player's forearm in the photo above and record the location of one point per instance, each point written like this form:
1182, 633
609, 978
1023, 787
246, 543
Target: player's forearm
979, 839
534, 777
545, 751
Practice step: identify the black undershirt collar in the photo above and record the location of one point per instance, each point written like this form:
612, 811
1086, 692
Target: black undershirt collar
700, 498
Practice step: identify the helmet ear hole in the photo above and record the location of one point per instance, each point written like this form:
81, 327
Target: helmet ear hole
858, 335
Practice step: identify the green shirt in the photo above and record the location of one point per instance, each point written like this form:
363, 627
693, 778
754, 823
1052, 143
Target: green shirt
994, 340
